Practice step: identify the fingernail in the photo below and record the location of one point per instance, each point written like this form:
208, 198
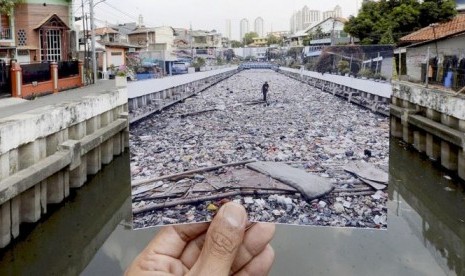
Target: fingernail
234, 214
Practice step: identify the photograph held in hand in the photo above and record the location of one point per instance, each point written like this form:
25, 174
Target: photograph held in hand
294, 128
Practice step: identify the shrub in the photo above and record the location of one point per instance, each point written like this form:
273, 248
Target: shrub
365, 73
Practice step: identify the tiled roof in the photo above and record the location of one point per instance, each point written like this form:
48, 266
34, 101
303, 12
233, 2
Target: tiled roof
454, 26
50, 18
104, 31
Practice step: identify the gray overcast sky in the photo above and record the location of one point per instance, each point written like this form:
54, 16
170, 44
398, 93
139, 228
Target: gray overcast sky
212, 14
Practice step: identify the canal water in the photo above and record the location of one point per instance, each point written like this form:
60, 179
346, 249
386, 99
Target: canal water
90, 234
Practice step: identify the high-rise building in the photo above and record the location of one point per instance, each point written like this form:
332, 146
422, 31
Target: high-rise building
227, 32
292, 23
296, 22
336, 12
305, 17
244, 28
314, 16
299, 21
258, 26
328, 14
309, 17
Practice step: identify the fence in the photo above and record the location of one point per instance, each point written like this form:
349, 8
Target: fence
5, 81
31, 80
68, 69
36, 72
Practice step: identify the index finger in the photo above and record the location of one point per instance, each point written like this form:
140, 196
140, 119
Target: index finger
172, 240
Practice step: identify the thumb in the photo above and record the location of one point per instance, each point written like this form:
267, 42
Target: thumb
224, 236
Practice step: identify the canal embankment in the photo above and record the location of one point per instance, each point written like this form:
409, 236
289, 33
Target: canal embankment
50, 146
149, 96
433, 121
374, 95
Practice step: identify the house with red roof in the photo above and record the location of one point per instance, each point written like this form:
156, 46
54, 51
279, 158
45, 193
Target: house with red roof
436, 52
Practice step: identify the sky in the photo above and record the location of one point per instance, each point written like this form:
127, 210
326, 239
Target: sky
209, 14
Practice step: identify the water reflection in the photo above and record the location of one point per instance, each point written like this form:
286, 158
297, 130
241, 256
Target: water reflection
425, 233
66, 240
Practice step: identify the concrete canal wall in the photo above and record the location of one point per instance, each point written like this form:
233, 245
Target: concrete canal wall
149, 96
47, 151
433, 121
367, 93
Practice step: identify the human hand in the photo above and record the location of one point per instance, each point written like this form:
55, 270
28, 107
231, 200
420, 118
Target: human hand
222, 247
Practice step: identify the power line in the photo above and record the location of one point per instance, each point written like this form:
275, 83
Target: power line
122, 12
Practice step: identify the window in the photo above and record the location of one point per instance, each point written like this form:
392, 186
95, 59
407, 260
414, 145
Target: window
23, 52
50, 43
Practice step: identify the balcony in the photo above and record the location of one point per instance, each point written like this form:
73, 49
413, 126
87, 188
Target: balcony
5, 33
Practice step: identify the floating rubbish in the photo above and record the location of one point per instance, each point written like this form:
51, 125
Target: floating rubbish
313, 132
368, 173
212, 207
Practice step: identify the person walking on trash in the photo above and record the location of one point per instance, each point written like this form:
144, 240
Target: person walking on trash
265, 90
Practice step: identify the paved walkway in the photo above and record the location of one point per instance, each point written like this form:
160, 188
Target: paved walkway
383, 89
11, 106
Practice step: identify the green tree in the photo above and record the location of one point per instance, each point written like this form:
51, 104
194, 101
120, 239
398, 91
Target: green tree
386, 21
236, 44
318, 33
229, 54
387, 37
6, 6
248, 37
198, 62
272, 39
343, 66
294, 52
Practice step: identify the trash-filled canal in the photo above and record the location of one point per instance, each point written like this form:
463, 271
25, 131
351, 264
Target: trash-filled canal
90, 233
299, 125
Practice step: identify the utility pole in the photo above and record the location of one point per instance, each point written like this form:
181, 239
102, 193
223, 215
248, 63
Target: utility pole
377, 62
427, 67
434, 25
400, 64
84, 24
92, 43
350, 64
332, 32
190, 42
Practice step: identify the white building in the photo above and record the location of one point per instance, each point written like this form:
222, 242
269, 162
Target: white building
244, 28
255, 52
258, 26
328, 14
336, 12
292, 23
227, 32
314, 16
305, 17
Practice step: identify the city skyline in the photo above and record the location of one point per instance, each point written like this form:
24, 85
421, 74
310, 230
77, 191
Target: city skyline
209, 14
305, 17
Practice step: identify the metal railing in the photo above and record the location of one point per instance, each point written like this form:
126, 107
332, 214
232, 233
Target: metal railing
5, 33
